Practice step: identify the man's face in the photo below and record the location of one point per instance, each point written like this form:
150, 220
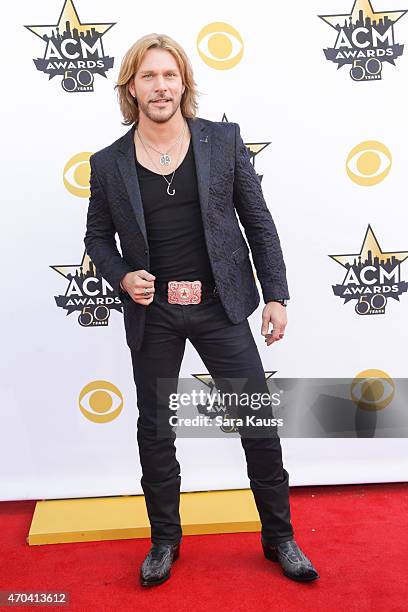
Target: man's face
157, 85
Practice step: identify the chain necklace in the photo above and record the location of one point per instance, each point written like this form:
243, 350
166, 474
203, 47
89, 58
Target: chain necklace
165, 158
169, 182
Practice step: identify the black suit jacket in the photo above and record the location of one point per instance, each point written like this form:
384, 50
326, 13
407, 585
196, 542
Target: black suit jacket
227, 184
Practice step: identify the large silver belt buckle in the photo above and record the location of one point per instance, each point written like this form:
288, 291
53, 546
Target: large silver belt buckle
184, 292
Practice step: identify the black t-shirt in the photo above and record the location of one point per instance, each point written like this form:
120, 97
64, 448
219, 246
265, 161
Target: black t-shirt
174, 224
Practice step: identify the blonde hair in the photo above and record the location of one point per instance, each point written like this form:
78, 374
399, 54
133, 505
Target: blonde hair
131, 63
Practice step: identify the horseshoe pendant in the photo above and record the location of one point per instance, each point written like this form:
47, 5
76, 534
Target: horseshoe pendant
171, 193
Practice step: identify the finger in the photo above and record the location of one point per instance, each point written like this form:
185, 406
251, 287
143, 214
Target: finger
273, 337
138, 293
278, 329
270, 340
146, 275
141, 291
265, 326
140, 282
143, 300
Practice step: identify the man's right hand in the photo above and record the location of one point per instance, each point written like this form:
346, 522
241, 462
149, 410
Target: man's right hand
135, 282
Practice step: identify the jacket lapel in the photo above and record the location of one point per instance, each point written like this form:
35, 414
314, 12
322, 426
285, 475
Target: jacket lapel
202, 155
127, 165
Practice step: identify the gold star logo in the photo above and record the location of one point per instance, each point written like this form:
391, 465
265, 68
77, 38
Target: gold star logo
370, 252
68, 21
365, 6
85, 267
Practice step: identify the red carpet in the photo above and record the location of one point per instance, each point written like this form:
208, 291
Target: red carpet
356, 536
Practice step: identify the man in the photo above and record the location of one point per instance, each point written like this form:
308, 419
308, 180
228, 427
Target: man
171, 188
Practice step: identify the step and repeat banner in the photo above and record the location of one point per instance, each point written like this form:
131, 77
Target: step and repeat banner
319, 90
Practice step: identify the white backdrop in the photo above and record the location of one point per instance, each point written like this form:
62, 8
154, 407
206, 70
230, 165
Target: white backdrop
283, 91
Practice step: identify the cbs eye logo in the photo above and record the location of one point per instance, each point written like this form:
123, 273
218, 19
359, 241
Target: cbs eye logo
368, 163
100, 401
372, 390
220, 45
77, 173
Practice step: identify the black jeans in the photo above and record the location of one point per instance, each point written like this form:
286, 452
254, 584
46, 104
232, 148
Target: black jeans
227, 350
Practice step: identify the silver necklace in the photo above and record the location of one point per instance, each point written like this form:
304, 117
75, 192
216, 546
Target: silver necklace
169, 182
165, 158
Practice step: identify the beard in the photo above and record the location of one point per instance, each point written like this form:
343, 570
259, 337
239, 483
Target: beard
159, 115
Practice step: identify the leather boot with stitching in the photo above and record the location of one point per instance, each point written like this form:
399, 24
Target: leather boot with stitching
155, 569
293, 561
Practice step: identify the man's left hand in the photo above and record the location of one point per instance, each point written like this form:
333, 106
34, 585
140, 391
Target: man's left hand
274, 313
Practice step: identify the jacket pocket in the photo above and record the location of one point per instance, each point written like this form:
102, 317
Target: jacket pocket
240, 254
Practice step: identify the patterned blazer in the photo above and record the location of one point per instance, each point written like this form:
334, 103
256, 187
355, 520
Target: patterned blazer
227, 184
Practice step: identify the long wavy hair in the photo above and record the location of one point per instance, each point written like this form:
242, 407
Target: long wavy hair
130, 65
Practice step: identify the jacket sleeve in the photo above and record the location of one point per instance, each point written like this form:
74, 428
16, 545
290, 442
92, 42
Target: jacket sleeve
99, 238
259, 226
